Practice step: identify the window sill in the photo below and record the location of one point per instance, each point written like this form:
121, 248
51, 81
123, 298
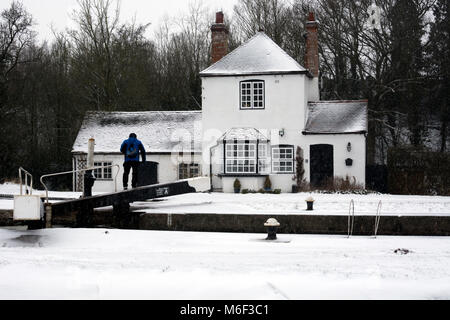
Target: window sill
249, 175
282, 173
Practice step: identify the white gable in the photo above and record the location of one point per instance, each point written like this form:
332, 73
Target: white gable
259, 55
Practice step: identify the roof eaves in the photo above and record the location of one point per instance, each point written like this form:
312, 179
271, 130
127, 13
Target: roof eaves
254, 73
304, 132
338, 101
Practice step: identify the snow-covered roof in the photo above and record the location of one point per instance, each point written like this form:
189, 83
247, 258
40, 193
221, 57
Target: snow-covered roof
242, 134
328, 117
259, 55
159, 131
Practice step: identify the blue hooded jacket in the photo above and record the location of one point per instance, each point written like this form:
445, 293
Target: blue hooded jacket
137, 145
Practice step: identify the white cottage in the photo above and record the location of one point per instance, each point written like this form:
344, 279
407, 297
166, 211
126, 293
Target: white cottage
171, 139
258, 106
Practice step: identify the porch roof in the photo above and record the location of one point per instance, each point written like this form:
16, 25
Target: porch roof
243, 134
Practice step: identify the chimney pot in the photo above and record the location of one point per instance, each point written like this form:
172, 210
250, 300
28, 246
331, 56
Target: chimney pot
219, 17
311, 16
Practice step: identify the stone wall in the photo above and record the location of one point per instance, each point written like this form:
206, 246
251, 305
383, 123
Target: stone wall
290, 224
298, 224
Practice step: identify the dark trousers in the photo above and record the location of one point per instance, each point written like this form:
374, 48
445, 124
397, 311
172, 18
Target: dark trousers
127, 166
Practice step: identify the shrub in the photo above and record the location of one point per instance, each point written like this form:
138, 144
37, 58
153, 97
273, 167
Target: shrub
299, 171
245, 191
276, 191
342, 185
237, 184
267, 183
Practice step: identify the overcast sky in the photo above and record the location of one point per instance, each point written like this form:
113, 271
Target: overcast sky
56, 13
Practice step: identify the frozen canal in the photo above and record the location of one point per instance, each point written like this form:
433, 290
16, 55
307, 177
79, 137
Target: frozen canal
126, 264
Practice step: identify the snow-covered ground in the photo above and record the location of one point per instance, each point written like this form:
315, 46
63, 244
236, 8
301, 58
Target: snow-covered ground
127, 264
14, 189
287, 203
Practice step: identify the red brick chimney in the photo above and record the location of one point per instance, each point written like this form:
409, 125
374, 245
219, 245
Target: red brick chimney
219, 38
312, 45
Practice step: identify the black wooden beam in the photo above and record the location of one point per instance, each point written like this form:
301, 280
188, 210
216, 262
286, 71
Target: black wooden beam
122, 198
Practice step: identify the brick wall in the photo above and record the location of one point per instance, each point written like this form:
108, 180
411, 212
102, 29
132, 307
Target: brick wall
219, 39
312, 46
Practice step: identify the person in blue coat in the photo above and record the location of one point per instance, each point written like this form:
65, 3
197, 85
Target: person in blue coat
131, 148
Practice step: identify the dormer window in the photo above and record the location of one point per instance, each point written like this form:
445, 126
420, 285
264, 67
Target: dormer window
252, 94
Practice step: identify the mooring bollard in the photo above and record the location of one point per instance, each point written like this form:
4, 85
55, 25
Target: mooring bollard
309, 203
89, 180
272, 224
89, 177
48, 215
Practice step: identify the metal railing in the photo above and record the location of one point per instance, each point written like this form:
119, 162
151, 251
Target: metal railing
377, 218
75, 171
351, 218
28, 188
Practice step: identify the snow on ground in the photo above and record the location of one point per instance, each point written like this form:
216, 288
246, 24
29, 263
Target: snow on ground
14, 189
128, 264
287, 203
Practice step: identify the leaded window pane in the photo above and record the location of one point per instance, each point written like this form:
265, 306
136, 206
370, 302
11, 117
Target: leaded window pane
252, 95
242, 159
282, 159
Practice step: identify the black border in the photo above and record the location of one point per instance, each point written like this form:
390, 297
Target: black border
278, 309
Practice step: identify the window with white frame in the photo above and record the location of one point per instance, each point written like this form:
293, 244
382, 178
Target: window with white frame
283, 159
252, 94
103, 173
188, 170
263, 158
240, 157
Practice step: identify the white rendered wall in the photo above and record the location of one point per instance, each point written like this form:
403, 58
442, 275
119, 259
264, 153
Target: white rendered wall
340, 153
250, 183
286, 98
313, 89
167, 169
285, 102
283, 182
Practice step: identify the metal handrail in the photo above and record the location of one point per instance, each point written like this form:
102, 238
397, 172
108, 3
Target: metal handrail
351, 212
75, 171
26, 181
377, 218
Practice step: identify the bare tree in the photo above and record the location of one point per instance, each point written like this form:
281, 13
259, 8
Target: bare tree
92, 42
268, 15
16, 35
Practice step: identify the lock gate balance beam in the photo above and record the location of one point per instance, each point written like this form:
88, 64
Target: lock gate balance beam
120, 201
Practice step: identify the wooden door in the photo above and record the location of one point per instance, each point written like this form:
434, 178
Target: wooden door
321, 164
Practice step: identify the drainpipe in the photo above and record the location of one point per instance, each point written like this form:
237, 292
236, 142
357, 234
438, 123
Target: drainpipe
210, 164
74, 175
